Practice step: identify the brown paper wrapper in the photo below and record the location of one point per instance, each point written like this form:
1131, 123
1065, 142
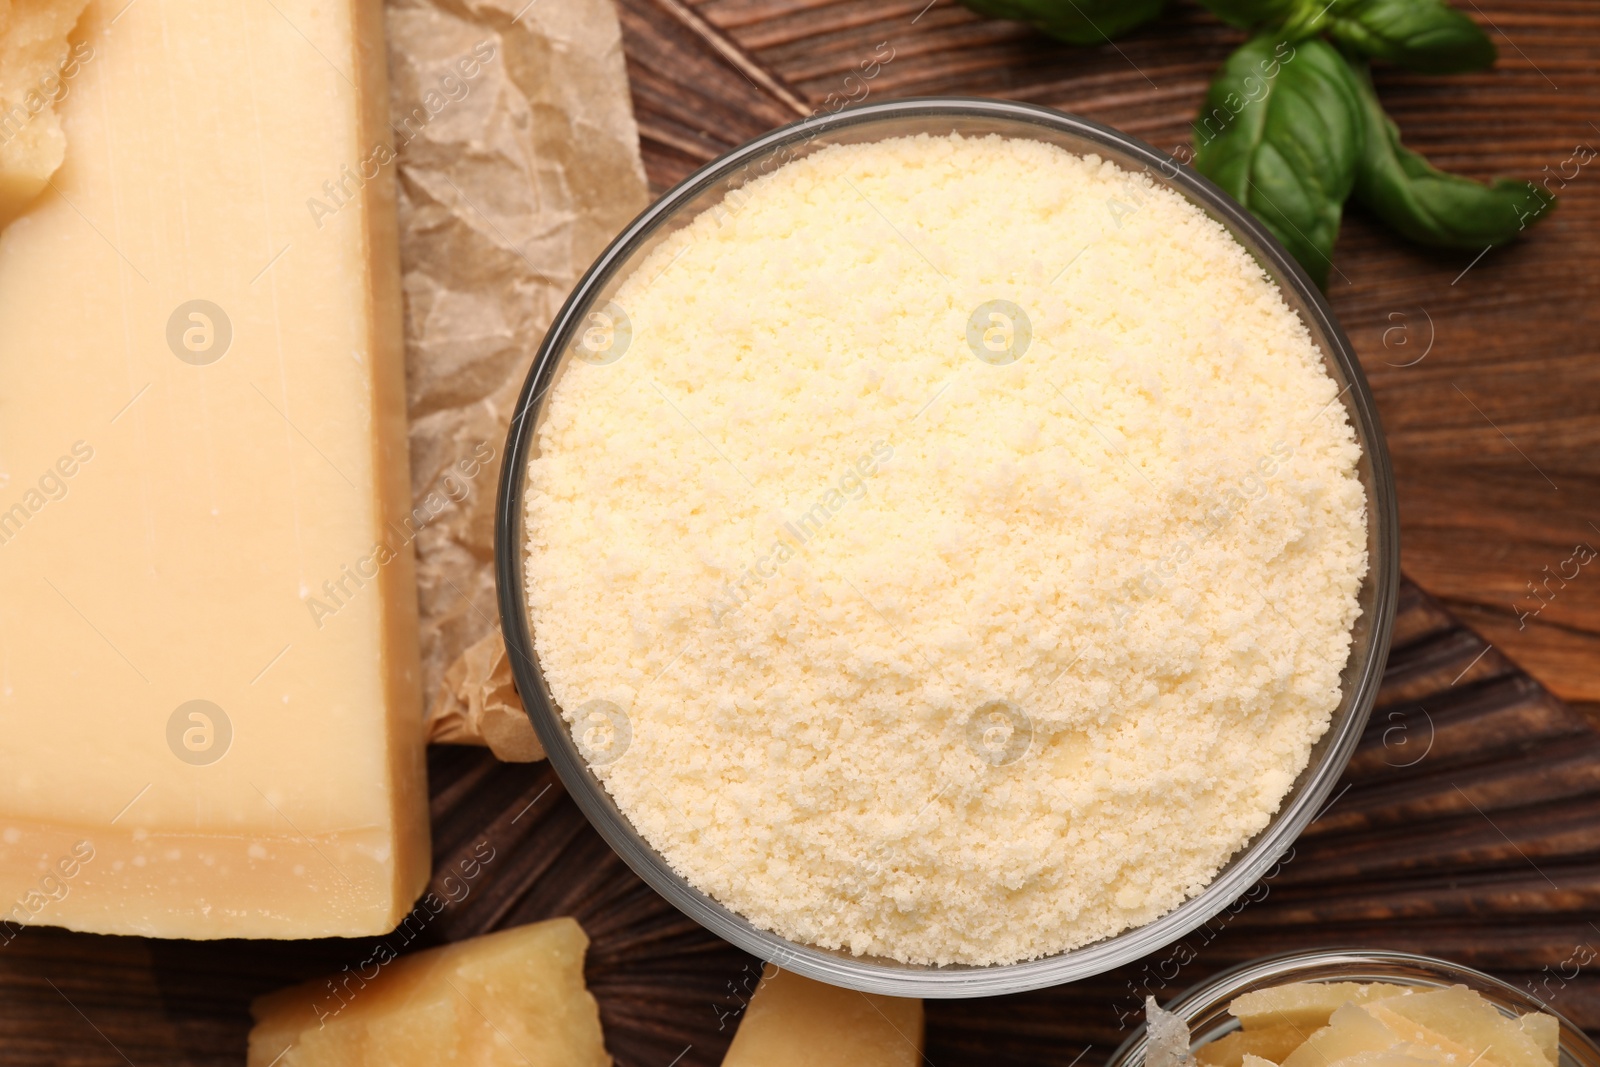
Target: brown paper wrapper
518, 162
478, 705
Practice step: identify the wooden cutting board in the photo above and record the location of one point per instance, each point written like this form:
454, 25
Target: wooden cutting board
1468, 826
1469, 823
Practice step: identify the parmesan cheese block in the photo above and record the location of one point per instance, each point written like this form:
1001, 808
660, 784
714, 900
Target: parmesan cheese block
794, 1022
208, 664
510, 999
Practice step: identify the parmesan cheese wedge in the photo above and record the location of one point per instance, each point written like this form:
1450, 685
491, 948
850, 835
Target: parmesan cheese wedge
795, 1022
510, 999
209, 717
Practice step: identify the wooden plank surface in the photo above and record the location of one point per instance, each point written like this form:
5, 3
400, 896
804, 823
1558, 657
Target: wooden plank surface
1487, 381
1468, 827
1483, 849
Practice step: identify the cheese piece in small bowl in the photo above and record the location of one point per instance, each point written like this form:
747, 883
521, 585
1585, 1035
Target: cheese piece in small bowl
1355, 1008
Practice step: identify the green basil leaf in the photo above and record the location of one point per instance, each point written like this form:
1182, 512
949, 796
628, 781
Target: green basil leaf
1426, 204
1426, 35
1292, 19
1074, 21
1281, 131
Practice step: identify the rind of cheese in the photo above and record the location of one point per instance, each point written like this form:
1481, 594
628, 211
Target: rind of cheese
1305, 1005
204, 433
795, 1022
1231, 1050
36, 67
515, 998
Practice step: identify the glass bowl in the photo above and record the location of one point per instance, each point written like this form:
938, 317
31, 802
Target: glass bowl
1205, 1006
706, 188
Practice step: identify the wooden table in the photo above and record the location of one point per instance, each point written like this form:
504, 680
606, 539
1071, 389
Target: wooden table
1486, 849
1486, 372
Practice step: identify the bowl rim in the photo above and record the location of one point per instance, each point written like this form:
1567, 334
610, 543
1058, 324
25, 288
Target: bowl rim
1351, 964
886, 977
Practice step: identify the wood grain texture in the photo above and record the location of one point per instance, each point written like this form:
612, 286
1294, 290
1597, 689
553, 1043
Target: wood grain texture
1496, 430
1468, 826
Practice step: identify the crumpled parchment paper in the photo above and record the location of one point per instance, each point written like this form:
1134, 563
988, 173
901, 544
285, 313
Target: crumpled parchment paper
518, 162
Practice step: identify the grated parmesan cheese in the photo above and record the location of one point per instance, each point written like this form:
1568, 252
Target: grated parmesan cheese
925, 633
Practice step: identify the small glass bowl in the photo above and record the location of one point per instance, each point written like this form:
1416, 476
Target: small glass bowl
706, 189
1205, 1006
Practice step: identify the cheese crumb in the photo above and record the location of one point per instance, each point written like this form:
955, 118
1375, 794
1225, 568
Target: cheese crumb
969, 537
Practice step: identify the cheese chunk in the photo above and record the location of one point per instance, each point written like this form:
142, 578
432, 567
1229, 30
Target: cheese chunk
37, 67
209, 717
1306, 1005
1235, 1049
1457, 1019
794, 1022
510, 999
1546, 1034
1380, 1025
1352, 1031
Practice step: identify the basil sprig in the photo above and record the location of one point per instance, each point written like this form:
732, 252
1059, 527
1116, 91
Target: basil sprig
1281, 132
1427, 205
1074, 21
1292, 20
1426, 35
1291, 126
